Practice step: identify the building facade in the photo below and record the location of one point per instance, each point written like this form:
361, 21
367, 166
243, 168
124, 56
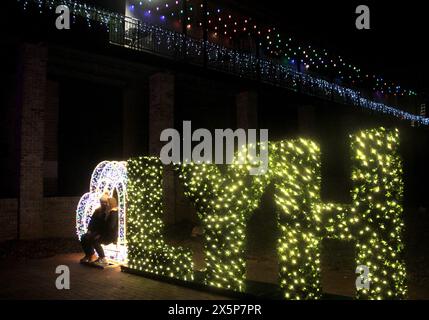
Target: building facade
73, 98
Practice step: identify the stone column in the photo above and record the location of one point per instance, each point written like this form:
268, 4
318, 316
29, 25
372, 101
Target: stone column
307, 121
134, 108
247, 110
51, 140
33, 82
161, 117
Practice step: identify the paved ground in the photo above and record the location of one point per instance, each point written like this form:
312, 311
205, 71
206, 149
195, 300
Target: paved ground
35, 279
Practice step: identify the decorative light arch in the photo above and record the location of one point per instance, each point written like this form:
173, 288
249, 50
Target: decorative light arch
108, 176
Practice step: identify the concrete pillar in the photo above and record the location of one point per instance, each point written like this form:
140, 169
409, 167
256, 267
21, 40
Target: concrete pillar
134, 107
161, 117
307, 121
50, 157
33, 79
348, 126
247, 110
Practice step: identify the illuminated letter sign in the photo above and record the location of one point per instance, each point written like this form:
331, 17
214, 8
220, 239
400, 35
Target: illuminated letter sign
225, 202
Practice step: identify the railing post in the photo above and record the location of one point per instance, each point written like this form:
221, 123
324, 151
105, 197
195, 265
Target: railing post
139, 36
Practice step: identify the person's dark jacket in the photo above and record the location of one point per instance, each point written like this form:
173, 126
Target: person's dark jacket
105, 225
97, 221
110, 232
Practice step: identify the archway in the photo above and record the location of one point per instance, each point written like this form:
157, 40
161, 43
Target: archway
108, 177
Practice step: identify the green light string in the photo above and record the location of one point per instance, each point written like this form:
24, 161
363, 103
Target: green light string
373, 220
147, 249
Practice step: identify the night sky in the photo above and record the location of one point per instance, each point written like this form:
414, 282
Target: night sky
395, 47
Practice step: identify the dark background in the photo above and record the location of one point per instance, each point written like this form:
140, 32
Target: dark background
394, 47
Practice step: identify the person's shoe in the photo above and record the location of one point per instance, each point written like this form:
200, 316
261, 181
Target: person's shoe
101, 262
85, 259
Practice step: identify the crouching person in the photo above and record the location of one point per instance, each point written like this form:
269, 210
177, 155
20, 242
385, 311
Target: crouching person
102, 230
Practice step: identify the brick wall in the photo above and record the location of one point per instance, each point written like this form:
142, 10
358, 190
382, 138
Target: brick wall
59, 217
8, 219
33, 77
161, 117
247, 110
50, 140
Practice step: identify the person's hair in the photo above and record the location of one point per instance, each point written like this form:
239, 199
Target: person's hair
113, 203
105, 197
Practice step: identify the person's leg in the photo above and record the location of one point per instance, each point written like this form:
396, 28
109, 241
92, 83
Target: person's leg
99, 249
87, 246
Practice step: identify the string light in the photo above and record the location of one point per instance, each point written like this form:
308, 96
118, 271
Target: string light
226, 201
374, 220
147, 248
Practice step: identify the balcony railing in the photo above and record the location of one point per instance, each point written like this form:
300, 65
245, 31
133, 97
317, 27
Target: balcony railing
137, 35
